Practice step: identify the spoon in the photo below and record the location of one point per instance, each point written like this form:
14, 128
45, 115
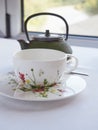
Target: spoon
78, 73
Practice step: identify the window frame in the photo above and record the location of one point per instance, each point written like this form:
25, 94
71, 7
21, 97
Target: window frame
88, 38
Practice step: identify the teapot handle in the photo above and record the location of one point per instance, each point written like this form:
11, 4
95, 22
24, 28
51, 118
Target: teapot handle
45, 13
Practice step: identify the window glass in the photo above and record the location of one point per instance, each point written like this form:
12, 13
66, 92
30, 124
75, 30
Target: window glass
81, 15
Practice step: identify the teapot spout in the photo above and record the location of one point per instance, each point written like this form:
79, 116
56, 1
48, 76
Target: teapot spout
23, 44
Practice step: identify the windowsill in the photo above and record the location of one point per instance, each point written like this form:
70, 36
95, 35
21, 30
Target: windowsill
86, 41
83, 41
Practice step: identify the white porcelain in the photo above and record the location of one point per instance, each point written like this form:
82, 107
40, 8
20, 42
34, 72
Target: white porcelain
73, 86
41, 66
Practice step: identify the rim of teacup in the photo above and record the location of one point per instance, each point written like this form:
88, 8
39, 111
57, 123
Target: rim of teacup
59, 55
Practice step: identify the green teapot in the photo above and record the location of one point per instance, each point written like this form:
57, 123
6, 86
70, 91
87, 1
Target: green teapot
47, 40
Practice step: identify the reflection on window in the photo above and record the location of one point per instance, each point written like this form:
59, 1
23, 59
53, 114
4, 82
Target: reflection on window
81, 15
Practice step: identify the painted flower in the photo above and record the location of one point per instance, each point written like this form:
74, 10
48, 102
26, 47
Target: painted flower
60, 90
22, 77
32, 69
27, 81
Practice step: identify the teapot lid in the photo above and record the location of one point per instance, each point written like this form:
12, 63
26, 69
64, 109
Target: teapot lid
48, 37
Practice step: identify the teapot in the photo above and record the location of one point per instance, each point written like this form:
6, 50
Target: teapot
46, 40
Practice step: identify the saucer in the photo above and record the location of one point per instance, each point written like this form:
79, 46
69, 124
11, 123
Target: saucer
69, 88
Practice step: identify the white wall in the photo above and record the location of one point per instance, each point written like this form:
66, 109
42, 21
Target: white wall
2, 17
14, 9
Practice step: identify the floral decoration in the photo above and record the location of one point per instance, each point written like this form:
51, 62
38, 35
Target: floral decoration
27, 83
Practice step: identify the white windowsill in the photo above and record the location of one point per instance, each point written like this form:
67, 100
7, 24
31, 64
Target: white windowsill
83, 41
72, 40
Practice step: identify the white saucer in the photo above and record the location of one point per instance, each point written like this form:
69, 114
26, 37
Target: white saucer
73, 86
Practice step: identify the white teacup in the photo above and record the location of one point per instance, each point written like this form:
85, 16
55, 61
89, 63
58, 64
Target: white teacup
42, 66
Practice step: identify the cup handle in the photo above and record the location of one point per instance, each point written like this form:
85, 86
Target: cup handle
72, 63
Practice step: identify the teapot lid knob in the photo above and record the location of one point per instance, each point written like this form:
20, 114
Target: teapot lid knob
47, 33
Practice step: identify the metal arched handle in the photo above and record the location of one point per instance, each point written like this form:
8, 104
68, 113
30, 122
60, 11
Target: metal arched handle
45, 13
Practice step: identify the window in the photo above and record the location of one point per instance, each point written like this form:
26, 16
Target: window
81, 15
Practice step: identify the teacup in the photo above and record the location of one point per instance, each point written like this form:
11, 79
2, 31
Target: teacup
42, 67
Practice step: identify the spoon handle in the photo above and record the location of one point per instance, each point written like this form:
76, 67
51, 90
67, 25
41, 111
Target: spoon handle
78, 73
